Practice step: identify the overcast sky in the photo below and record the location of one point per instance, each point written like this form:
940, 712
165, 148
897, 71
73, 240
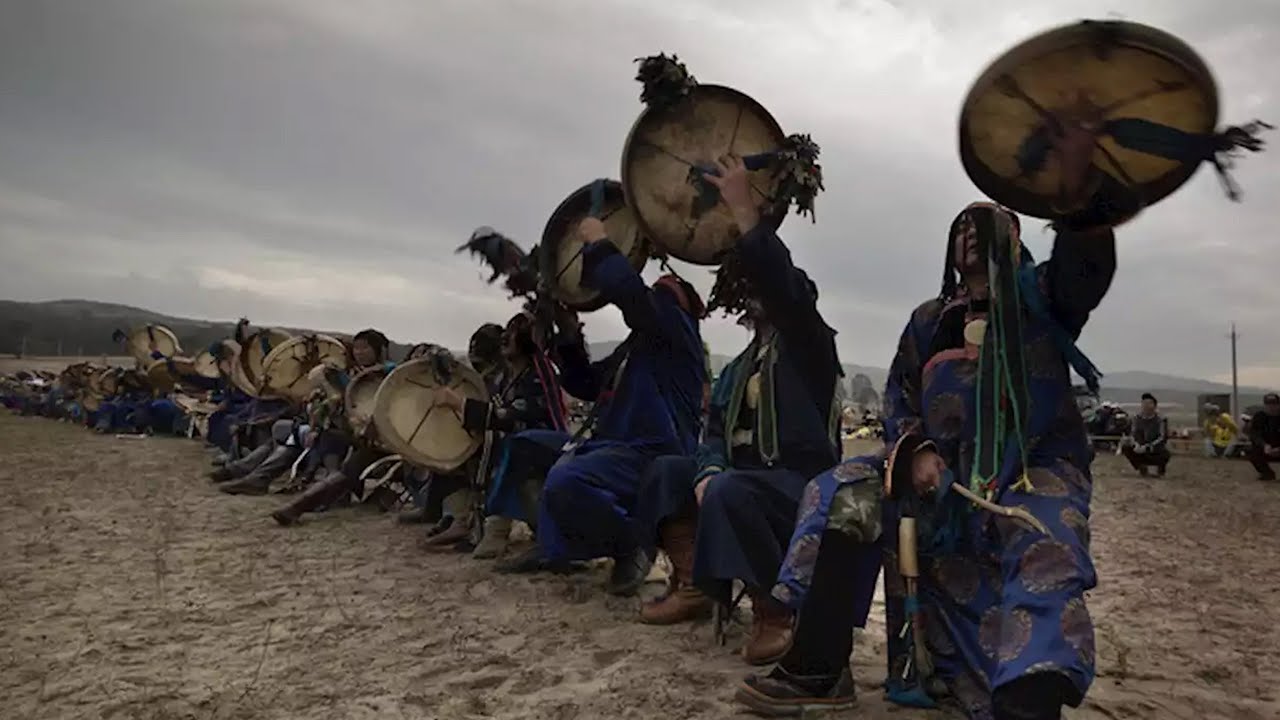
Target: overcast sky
315, 162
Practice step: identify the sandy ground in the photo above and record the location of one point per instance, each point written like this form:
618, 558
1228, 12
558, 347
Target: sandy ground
131, 589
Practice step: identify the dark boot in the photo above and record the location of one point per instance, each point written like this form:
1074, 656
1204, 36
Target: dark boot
1034, 697
771, 630
259, 480
629, 572
781, 694
321, 493
242, 466
684, 602
413, 516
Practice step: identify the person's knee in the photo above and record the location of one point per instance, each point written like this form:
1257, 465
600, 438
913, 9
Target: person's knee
723, 491
855, 512
563, 484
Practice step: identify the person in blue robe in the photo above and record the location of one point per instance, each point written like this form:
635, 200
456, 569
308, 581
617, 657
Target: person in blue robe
1000, 603
728, 513
648, 402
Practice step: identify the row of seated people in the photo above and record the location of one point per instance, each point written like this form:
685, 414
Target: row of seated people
751, 488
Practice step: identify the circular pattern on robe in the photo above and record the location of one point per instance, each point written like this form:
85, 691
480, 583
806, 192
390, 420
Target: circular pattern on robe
893, 583
946, 416
1042, 667
1075, 477
989, 632
811, 499
1076, 520
1048, 566
1015, 634
959, 577
1044, 360
1077, 630
852, 470
1046, 482
804, 554
782, 594
1010, 531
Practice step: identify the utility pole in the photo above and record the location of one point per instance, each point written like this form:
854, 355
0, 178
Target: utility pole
59, 347
1235, 379
22, 351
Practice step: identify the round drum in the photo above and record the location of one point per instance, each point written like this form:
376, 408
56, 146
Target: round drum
560, 252
360, 398
285, 372
409, 421
206, 364
140, 340
663, 157
1133, 81
255, 350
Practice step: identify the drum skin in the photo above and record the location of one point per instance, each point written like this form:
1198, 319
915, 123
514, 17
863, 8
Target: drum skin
664, 145
560, 252
1089, 73
411, 424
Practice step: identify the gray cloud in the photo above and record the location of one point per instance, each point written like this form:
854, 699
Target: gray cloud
286, 159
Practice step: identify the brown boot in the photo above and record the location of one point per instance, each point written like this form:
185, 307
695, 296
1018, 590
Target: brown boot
685, 602
325, 491
770, 631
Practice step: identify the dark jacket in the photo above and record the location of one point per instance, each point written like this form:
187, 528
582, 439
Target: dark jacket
648, 391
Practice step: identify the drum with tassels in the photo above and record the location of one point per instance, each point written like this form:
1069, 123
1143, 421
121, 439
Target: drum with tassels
359, 399
206, 362
164, 378
1148, 99
141, 341
560, 252
253, 352
286, 370
410, 422
685, 128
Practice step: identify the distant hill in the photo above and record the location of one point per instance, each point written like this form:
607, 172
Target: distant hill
84, 327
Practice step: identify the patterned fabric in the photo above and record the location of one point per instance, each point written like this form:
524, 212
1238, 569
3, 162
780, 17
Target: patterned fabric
846, 498
999, 601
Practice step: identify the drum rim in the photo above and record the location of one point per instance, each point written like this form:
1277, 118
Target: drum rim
629, 148
145, 359
354, 383
1135, 34
251, 384
547, 265
382, 423
277, 352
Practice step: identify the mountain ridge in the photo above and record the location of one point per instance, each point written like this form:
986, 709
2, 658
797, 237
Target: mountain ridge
84, 327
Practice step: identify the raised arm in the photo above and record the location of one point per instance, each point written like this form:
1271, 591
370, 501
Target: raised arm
784, 289
607, 271
1078, 275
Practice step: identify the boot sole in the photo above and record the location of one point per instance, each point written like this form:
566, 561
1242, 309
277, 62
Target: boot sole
762, 704
700, 616
283, 520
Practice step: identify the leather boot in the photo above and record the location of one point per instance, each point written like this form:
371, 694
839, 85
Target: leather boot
771, 631
259, 480
684, 602
497, 533
242, 466
323, 492
458, 506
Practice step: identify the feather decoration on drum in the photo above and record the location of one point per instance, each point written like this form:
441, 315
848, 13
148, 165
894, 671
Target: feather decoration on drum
684, 129
1148, 100
505, 258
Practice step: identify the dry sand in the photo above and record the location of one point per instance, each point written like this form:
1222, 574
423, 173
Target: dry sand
131, 589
